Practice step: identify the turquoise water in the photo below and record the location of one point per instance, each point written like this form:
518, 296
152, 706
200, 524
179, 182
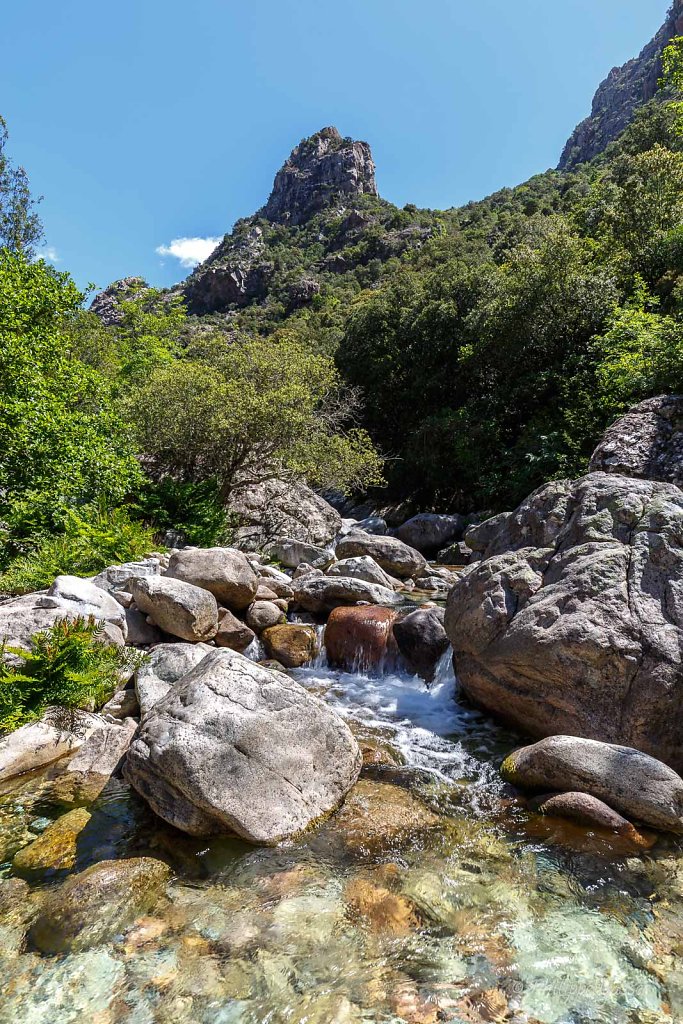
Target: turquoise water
433, 895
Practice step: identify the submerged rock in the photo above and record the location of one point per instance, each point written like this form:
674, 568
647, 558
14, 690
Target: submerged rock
234, 748
633, 783
92, 907
588, 810
224, 572
378, 817
179, 608
360, 638
56, 849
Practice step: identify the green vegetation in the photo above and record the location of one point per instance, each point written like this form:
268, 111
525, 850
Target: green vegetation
90, 541
70, 665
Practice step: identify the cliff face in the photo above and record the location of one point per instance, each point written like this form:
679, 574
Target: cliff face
318, 169
619, 96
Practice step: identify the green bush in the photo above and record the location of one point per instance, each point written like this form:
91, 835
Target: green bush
69, 665
88, 545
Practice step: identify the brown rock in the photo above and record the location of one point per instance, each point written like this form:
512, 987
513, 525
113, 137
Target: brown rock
291, 644
232, 632
588, 810
360, 638
55, 849
385, 912
378, 816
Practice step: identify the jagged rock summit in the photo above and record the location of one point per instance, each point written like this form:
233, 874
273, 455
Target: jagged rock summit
619, 96
319, 169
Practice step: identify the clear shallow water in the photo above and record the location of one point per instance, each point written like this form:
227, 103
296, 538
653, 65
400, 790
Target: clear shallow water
433, 895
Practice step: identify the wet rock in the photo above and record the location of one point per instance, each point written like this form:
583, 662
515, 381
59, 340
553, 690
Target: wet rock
293, 552
428, 532
90, 770
407, 1003
237, 749
573, 621
360, 638
390, 553
92, 907
179, 608
633, 783
167, 664
363, 568
262, 615
377, 817
232, 632
324, 593
586, 810
292, 645
224, 572
54, 850
279, 508
58, 732
421, 639
384, 912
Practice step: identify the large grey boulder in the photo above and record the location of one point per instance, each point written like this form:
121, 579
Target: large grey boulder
279, 508
633, 783
429, 532
57, 733
178, 608
647, 442
395, 557
224, 572
165, 665
323, 593
573, 621
363, 568
69, 597
235, 748
292, 553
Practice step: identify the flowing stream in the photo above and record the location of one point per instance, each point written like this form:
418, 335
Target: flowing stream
433, 895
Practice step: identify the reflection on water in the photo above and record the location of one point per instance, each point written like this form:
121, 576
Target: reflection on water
432, 895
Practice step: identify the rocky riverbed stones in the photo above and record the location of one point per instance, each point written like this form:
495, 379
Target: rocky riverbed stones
56, 849
181, 609
390, 553
320, 594
360, 638
363, 568
633, 783
89, 771
292, 644
235, 748
166, 664
224, 572
57, 733
421, 638
95, 905
232, 632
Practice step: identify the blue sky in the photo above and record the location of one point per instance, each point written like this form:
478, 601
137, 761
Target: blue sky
154, 120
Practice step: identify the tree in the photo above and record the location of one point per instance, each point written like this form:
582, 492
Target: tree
20, 226
249, 411
63, 445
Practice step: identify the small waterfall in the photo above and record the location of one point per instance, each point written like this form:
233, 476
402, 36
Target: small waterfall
255, 651
320, 660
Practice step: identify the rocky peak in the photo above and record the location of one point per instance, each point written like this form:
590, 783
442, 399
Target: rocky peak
619, 96
318, 169
107, 303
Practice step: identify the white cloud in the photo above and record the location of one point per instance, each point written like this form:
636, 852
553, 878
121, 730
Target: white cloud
190, 251
50, 254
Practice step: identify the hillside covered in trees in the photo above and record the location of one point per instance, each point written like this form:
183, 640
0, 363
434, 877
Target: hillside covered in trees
454, 358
